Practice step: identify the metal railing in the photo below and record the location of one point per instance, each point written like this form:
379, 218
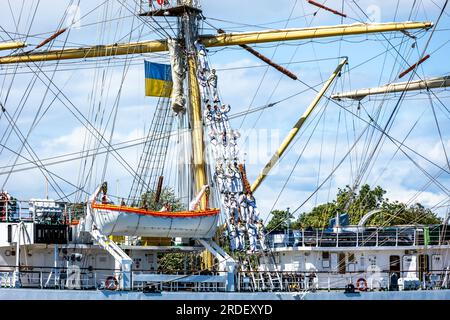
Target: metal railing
246, 281
96, 279
181, 281
48, 279
20, 210
362, 237
287, 281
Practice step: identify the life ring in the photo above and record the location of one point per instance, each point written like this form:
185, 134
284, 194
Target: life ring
111, 283
361, 284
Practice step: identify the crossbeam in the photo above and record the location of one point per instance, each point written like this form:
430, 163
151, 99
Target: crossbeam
431, 83
12, 45
219, 40
293, 132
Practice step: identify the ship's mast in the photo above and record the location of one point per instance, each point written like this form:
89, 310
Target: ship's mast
189, 24
189, 16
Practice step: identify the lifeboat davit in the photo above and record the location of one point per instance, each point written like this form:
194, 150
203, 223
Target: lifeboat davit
121, 220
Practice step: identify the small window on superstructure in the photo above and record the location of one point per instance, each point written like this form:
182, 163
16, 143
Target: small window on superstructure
325, 259
351, 258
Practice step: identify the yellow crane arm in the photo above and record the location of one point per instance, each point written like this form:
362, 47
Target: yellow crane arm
219, 40
291, 135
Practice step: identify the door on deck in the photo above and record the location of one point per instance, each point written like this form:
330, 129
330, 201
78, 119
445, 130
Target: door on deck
424, 266
341, 263
394, 265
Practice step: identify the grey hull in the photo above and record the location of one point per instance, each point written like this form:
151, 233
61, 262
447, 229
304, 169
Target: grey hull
50, 294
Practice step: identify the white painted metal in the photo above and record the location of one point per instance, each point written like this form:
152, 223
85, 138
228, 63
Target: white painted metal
123, 223
366, 217
226, 262
119, 256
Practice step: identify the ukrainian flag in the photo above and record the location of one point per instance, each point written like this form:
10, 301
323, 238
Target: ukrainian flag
158, 80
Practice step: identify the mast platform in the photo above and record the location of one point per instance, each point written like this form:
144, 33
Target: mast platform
175, 11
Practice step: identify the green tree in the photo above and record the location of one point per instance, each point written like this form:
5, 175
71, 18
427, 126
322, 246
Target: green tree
167, 196
171, 262
279, 220
318, 217
357, 205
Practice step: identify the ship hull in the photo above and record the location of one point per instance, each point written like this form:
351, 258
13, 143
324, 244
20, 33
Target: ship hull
50, 294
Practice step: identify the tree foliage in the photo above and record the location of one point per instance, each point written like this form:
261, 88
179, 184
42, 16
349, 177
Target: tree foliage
357, 205
279, 220
167, 196
171, 262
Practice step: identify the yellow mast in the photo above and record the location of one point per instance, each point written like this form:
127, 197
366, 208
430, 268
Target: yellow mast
189, 21
197, 129
291, 135
195, 114
12, 45
225, 39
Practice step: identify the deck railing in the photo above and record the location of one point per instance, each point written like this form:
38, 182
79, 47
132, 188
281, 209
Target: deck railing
326, 280
19, 210
286, 281
362, 237
97, 279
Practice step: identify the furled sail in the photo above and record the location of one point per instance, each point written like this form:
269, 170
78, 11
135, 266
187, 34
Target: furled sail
177, 62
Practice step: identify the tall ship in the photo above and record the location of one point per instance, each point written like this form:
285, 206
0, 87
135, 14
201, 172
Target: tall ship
131, 169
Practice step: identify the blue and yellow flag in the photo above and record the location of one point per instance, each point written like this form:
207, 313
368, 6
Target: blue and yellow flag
158, 80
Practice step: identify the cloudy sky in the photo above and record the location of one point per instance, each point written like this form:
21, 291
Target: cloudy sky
50, 103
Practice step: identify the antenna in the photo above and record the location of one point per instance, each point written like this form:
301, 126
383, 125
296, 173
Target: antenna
46, 188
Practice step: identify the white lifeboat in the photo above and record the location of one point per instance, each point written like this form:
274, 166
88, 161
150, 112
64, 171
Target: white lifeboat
121, 220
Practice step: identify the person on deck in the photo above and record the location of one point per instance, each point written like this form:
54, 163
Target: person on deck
261, 234
234, 207
106, 200
236, 180
244, 206
202, 56
208, 116
203, 84
212, 82
241, 234
252, 235
220, 177
218, 119
226, 205
232, 232
224, 109
224, 139
253, 210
